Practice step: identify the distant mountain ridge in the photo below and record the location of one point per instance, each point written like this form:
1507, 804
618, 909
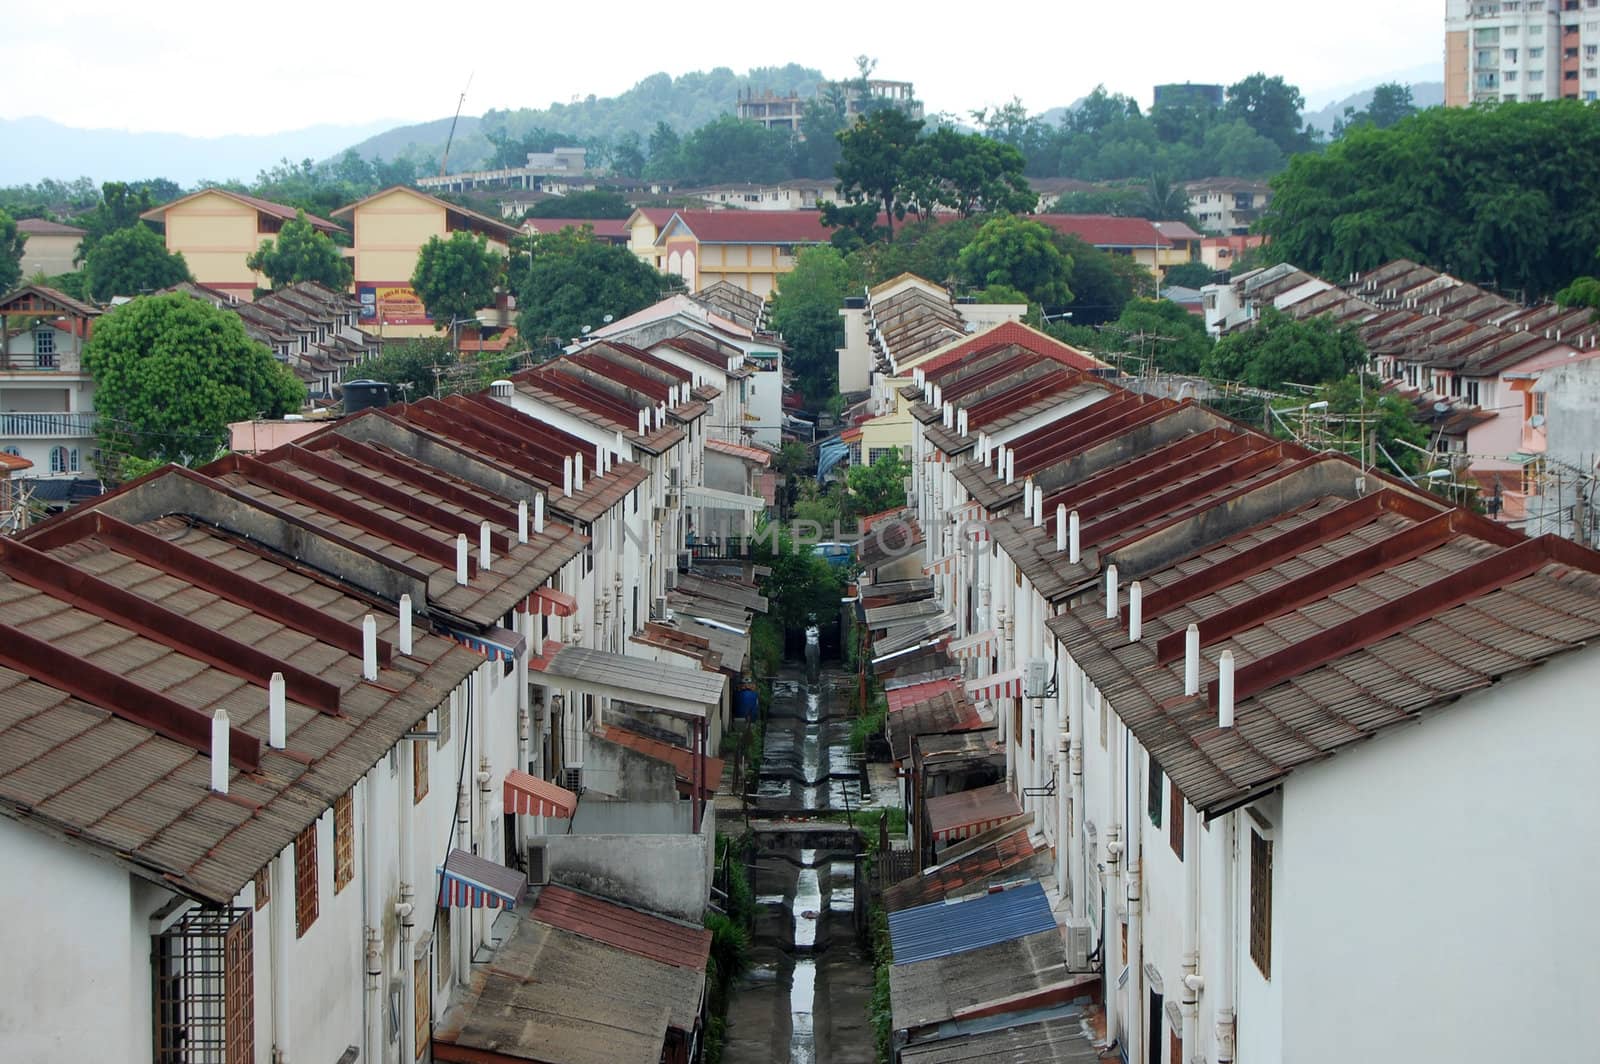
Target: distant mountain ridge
32, 149
1423, 94
684, 103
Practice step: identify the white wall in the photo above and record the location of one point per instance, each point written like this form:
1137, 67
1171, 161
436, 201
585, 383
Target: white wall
83, 924
1452, 867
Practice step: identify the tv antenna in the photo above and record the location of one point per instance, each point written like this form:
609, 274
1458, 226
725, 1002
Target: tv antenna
444, 163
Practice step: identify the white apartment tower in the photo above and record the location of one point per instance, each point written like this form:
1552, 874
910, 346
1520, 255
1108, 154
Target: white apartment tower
1521, 50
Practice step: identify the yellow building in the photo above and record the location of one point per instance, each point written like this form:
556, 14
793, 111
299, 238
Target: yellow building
216, 230
390, 228
749, 249
50, 247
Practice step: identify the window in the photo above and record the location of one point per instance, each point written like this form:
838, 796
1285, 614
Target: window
1175, 819
1472, 392
344, 845
444, 722
1509, 76
63, 460
1535, 53
44, 347
305, 880
204, 988
1154, 791
1261, 903
424, 1004
1511, 57
419, 772
441, 939
263, 887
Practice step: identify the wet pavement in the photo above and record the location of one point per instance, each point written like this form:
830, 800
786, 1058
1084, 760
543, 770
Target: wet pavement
804, 999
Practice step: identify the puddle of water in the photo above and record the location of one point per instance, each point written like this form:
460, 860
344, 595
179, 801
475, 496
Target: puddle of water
802, 1000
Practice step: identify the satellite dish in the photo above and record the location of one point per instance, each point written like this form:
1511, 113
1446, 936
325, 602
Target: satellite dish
606, 320
1537, 421
1438, 408
586, 329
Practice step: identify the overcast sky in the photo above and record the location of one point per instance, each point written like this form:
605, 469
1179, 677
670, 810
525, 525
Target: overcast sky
207, 68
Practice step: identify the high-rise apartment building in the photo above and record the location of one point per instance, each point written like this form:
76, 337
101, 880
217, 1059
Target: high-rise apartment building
1511, 50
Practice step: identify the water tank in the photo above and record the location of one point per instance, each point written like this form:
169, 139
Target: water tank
748, 707
363, 395
855, 302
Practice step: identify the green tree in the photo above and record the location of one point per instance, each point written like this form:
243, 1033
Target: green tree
1271, 107
456, 277
1390, 103
301, 253
1120, 201
873, 161
968, 173
1487, 194
1102, 282
874, 488
666, 161
1582, 292
11, 243
729, 150
816, 152
171, 371
128, 262
627, 156
1281, 350
1174, 339
119, 208
1189, 275
409, 365
806, 312
569, 280
592, 203
1020, 254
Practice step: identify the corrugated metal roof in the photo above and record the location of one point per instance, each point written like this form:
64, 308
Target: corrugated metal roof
943, 928
640, 933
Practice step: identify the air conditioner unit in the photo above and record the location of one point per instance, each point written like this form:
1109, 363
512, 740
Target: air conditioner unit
658, 608
572, 779
674, 500
685, 562
1036, 678
538, 865
1080, 944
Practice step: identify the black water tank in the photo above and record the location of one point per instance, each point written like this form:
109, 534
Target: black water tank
362, 395
855, 302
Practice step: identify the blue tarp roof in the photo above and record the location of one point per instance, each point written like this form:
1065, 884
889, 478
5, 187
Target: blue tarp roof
945, 928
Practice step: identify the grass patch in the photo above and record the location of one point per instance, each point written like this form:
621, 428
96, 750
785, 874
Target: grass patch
730, 939
871, 722
880, 1009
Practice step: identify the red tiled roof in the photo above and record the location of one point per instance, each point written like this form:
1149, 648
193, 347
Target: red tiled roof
756, 227
1016, 333
630, 930
12, 462
901, 697
681, 760
964, 813
611, 228
982, 867
45, 227
739, 450
1105, 230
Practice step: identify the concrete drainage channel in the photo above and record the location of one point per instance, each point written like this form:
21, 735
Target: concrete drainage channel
804, 999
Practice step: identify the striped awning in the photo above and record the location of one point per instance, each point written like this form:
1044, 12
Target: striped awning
977, 645
978, 533
941, 566
997, 687
552, 603
467, 881
971, 511
528, 795
497, 644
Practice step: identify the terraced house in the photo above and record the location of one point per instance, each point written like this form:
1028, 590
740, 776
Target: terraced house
295, 736
1264, 708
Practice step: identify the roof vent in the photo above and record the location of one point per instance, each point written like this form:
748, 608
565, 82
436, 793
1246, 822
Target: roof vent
501, 389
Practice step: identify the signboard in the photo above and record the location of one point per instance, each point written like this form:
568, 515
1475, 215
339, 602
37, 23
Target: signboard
391, 304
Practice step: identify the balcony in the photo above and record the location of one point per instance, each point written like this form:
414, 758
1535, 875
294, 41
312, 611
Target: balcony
50, 362
43, 425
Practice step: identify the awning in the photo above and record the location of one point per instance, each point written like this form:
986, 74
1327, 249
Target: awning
717, 499
467, 881
686, 692
498, 644
999, 686
978, 533
977, 645
941, 566
963, 814
552, 603
528, 795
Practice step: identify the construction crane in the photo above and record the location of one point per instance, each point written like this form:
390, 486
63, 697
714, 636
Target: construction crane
444, 162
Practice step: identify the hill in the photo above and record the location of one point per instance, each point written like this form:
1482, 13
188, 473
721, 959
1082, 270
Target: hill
32, 149
683, 103
1423, 94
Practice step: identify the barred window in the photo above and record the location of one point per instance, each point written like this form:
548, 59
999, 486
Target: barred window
444, 722
419, 771
1153, 793
305, 880
1261, 903
344, 847
263, 886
